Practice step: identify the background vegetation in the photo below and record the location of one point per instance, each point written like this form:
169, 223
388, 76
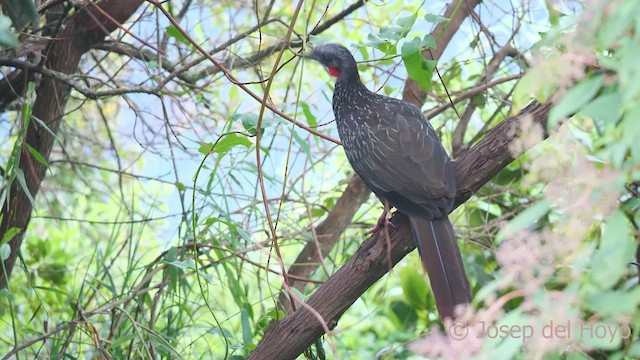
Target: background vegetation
164, 165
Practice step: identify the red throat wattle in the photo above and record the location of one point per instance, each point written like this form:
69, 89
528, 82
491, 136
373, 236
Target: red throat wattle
333, 71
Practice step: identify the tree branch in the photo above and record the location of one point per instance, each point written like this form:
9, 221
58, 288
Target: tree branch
239, 63
69, 80
328, 232
457, 141
181, 71
471, 93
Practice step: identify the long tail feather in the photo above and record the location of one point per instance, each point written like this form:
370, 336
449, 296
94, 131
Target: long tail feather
440, 255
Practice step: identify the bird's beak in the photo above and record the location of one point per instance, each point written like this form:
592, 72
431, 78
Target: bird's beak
310, 55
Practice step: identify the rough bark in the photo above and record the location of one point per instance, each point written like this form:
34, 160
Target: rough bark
298, 330
85, 28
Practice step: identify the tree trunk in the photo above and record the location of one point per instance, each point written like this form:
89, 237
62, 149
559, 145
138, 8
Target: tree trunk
83, 29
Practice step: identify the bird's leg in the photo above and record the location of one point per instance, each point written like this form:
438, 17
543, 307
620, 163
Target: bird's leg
383, 220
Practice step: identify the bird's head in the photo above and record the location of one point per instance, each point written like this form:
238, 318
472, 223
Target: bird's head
337, 59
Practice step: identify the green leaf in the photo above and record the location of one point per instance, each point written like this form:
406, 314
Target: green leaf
509, 175
418, 68
6, 294
5, 251
173, 32
44, 126
414, 287
316, 40
617, 23
614, 302
486, 207
474, 43
7, 37
406, 23
554, 14
122, 340
304, 145
224, 144
428, 41
22, 12
629, 74
528, 217
435, 19
317, 211
575, 99
298, 293
311, 119
276, 314
630, 126
54, 290
599, 334
479, 100
172, 254
247, 336
384, 45
391, 33
27, 108
243, 233
180, 186
23, 184
506, 346
605, 108
611, 261
249, 122
111, 286
181, 264
37, 156
9, 234
53, 272
634, 351
205, 148
234, 229
403, 315
163, 346
213, 220
488, 290
530, 87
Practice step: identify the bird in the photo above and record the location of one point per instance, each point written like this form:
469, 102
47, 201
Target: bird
392, 146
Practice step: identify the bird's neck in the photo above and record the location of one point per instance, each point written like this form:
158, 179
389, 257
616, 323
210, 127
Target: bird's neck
349, 78
346, 88
349, 98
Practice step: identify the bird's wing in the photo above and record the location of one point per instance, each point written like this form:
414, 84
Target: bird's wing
409, 159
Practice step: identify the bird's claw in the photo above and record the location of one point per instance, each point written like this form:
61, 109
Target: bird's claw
383, 221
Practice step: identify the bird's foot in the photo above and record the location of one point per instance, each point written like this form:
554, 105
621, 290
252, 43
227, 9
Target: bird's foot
383, 221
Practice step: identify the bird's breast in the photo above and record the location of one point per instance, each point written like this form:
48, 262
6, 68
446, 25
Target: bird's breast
362, 143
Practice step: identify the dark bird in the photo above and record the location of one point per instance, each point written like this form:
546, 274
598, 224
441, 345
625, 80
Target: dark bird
397, 153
